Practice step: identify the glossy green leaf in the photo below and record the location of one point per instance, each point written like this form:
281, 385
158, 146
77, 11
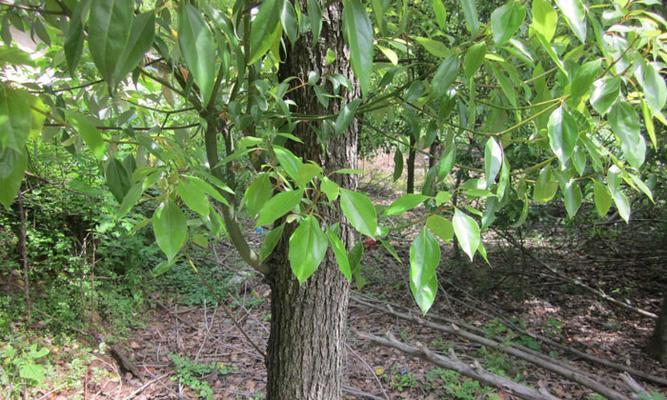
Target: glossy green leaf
445, 75
359, 211
307, 248
545, 19
648, 123
130, 200
278, 205
12, 168
605, 92
257, 194
117, 179
442, 197
288, 20
170, 228
85, 126
624, 122
139, 42
359, 36
545, 186
315, 18
74, 35
346, 116
193, 197
435, 47
441, 226
572, 196
563, 134
473, 59
622, 204
602, 198
339, 252
290, 162
470, 14
198, 48
653, 84
330, 189
506, 20
270, 242
440, 13
575, 15
265, 29
108, 32
583, 80
424, 260
467, 232
404, 203
493, 160
162, 268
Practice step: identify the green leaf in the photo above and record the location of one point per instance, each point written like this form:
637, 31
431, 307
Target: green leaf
85, 126
441, 227
290, 162
445, 75
162, 267
506, 20
563, 134
270, 242
117, 179
473, 58
442, 197
572, 196
288, 20
12, 168
355, 255
139, 42
307, 248
278, 205
605, 93
545, 186
257, 194
33, 372
390, 54
315, 18
435, 47
339, 252
265, 29
424, 260
346, 116
467, 232
575, 15
359, 35
193, 196
133, 195
198, 48
624, 122
602, 198
470, 15
583, 80
170, 228
74, 36
359, 211
404, 203
398, 164
330, 188
493, 160
545, 19
108, 33
440, 13
648, 122
622, 204
655, 90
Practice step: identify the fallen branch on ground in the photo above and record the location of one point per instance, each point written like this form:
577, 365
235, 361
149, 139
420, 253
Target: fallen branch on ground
475, 372
543, 361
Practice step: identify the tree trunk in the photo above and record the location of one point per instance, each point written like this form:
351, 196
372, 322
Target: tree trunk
306, 349
657, 346
411, 165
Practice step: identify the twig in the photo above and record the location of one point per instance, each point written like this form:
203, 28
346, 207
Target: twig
145, 385
354, 353
475, 372
360, 394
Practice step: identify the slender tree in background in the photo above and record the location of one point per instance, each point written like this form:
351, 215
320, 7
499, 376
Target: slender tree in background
218, 112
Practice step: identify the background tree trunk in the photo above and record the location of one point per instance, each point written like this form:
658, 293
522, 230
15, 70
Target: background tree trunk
657, 346
410, 165
306, 347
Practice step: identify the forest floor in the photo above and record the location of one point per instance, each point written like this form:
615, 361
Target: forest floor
186, 350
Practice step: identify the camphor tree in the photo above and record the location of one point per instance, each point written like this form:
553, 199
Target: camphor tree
183, 102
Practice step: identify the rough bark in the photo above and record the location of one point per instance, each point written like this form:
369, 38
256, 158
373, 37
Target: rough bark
657, 346
305, 355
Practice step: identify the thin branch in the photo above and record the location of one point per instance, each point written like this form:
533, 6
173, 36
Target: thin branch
32, 9
136, 128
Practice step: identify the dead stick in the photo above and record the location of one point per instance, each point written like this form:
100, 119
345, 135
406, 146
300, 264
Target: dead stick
476, 373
